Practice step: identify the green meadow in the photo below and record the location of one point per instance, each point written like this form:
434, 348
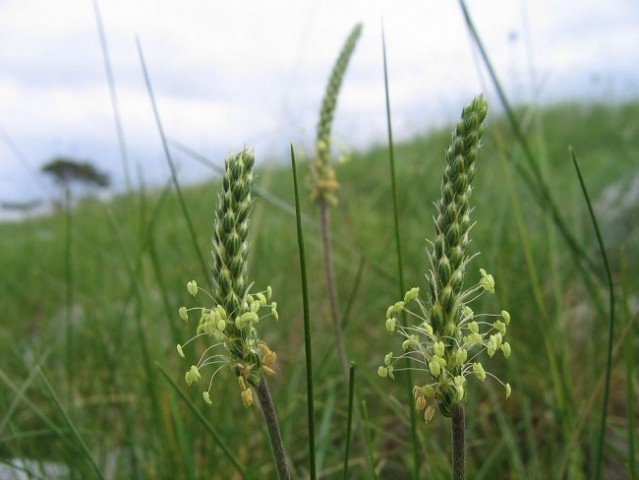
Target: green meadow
90, 319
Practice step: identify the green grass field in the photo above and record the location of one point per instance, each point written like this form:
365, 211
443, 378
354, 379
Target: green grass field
92, 307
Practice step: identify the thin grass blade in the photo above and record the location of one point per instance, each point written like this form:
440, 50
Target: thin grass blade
349, 424
80, 441
307, 323
537, 185
169, 158
400, 262
611, 320
216, 436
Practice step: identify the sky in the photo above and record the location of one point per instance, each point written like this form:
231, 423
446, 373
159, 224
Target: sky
233, 74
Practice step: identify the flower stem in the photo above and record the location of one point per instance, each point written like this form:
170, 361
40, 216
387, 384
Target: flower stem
332, 290
273, 427
458, 430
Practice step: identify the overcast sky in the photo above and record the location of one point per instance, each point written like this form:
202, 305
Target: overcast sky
228, 74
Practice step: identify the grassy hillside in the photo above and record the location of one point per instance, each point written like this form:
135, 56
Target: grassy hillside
93, 302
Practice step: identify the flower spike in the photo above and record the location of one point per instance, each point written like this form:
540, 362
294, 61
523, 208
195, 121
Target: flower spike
450, 335
232, 322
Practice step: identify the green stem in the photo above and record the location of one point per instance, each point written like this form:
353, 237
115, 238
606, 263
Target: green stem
273, 427
458, 429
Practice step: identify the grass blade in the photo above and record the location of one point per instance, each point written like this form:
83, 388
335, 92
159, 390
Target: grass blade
19, 394
400, 268
629, 357
70, 287
630, 401
349, 424
367, 438
307, 322
204, 422
169, 158
537, 185
114, 97
611, 319
74, 431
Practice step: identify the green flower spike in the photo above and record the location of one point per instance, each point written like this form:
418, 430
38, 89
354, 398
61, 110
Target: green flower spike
449, 335
231, 323
322, 178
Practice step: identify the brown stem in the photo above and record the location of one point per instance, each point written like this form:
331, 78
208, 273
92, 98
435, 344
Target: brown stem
332, 290
273, 427
458, 429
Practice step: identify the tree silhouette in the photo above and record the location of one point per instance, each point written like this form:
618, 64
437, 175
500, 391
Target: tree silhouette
66, 171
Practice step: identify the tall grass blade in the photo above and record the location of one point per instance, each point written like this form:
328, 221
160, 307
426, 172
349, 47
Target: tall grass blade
20, 394
169, 158
51, 426
349, 421
324, 426
114, 96
400, 262
218, 439
585, 413
367, 438
611, 320
70, 290
136, 272
180, 437
307, 323
537, 185
70, 424
629, 357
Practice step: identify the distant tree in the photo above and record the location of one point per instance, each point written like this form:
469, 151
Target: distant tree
65, 171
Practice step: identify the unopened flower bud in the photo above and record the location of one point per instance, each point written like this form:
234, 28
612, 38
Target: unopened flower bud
434, 368
193, 375
411, 295
479, 371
